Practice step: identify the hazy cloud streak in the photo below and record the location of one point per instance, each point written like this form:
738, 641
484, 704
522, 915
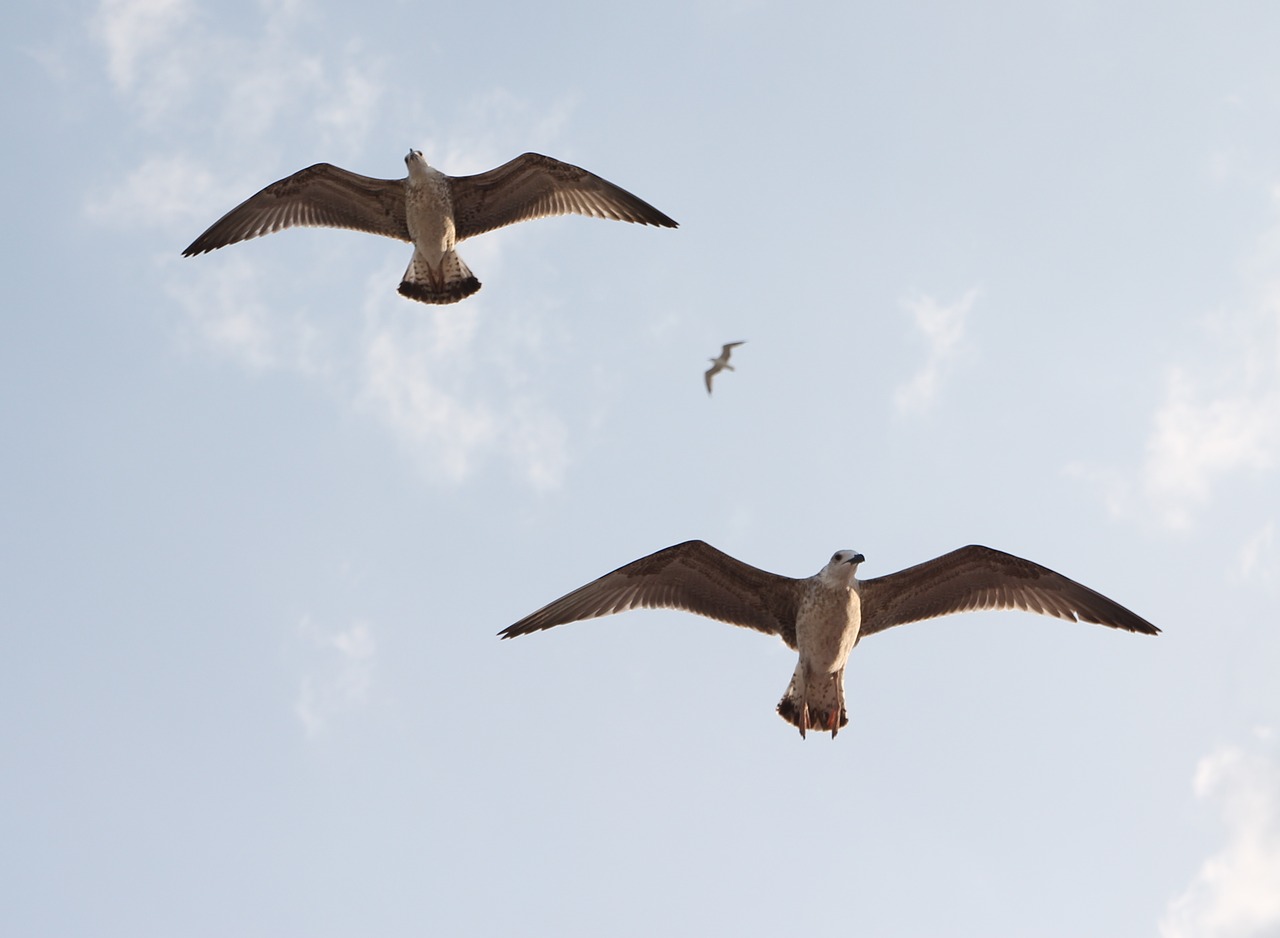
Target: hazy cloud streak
943, 330
1235, 894
341, 680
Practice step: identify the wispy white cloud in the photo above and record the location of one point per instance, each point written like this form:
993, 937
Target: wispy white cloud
339, 679
163, 190
277, 82
429, 381
1201, 436
1236, 892
537, 442
404, 386
942, 327
1257, 557
1219, 420
139, 38
452, 401
226, 311
352, 105
163, 55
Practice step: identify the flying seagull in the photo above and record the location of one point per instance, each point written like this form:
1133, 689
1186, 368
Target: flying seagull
721, 363
823, 616
430, 209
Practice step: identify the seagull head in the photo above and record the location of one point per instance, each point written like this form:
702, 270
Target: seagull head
415, 161
841, 568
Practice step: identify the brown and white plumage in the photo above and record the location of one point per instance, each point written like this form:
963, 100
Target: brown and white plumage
824, 616
429, 209
720, 363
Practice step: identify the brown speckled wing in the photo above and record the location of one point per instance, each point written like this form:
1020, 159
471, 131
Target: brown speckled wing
323, 196
974, 578
534, 186
692, 576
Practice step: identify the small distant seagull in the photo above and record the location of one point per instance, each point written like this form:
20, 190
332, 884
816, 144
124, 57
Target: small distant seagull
721, 363
823, 616
430, 209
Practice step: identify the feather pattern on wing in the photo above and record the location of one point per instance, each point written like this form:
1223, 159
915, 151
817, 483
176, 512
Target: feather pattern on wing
322, 195
534, 186
692, 576
974, 578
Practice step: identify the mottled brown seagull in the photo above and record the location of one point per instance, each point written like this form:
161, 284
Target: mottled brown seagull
721, 363
824, 616
429, 209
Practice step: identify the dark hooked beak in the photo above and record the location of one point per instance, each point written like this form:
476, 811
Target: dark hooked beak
856, 558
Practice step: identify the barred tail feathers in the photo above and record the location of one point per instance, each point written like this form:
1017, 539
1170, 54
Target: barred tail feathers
815, 702
446, 282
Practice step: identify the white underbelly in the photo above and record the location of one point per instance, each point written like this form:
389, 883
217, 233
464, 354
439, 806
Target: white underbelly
429, 214
827, 631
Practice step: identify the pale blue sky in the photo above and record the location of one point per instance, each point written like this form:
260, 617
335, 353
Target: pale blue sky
1007, 275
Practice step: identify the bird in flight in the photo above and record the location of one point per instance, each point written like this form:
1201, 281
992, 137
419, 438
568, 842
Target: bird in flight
429, 209
721, 362
824, 616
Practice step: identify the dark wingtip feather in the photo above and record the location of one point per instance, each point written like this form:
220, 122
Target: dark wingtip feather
1135, 624
525, 626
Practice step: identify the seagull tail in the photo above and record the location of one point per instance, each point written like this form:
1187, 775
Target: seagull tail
446, 282
815, 702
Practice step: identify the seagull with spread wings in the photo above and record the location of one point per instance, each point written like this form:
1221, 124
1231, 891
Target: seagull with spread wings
429, 209
824, 616
721, 363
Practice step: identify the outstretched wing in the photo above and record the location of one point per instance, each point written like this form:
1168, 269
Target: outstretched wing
323, 196
534, 186
692, 576
974, 578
